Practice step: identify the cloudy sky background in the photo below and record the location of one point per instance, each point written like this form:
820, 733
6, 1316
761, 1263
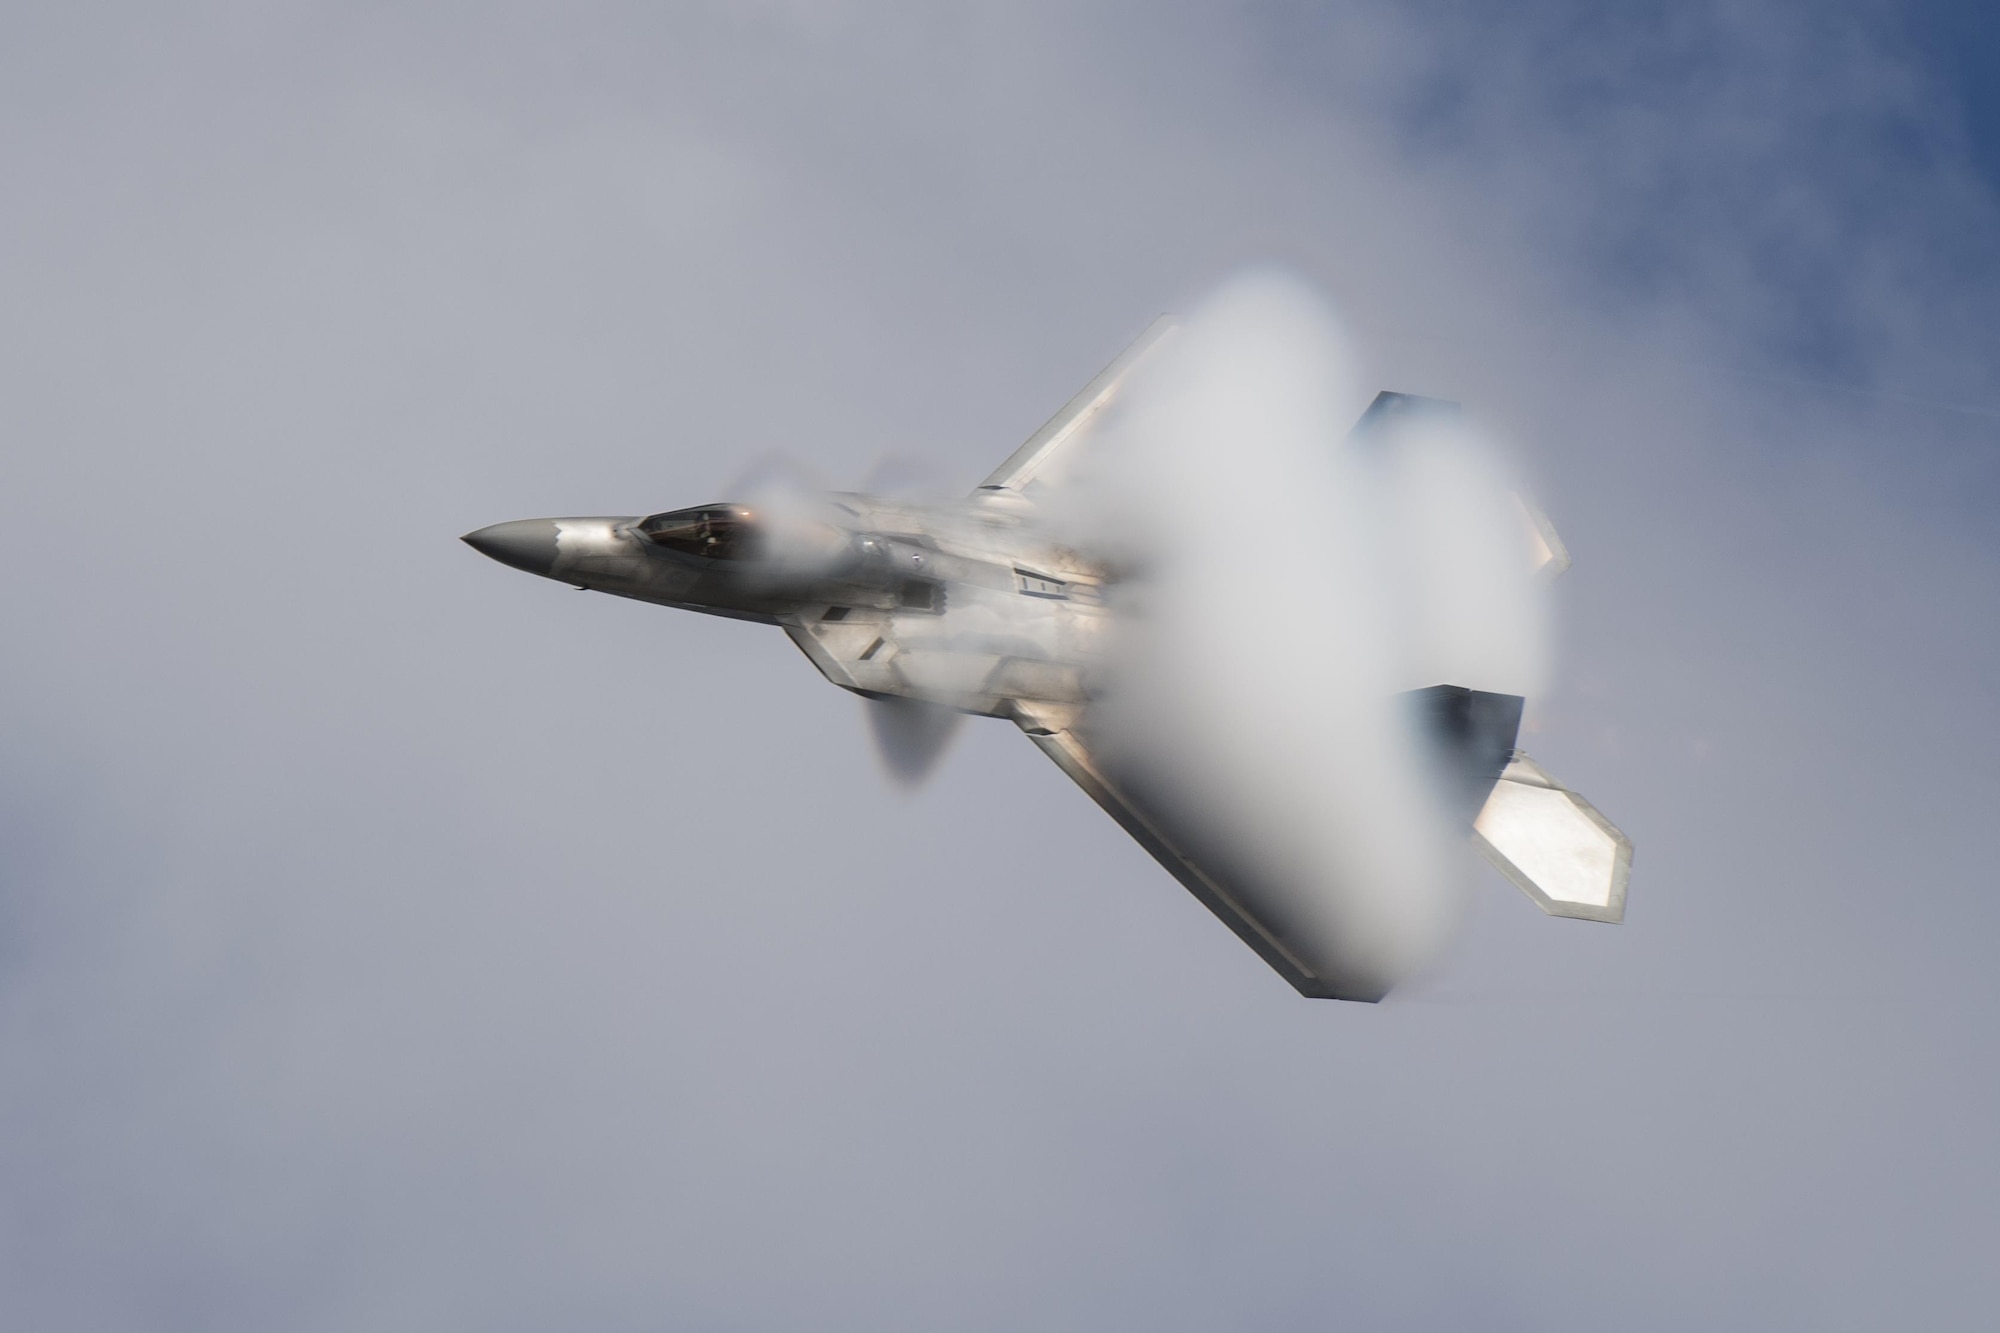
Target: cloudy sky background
390, 940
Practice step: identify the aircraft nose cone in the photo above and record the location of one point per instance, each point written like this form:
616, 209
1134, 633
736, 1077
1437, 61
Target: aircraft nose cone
526, 543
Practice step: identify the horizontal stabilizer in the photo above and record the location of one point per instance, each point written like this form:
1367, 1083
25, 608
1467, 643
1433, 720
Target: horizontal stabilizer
1554, 845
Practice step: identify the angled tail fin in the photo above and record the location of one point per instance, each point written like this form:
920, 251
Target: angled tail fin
1391, 415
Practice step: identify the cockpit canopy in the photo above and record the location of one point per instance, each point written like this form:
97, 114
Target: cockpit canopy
714, 532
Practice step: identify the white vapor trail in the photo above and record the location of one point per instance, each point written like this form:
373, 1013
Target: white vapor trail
1284, 589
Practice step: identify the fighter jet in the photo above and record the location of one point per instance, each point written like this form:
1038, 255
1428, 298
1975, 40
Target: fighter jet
982, 606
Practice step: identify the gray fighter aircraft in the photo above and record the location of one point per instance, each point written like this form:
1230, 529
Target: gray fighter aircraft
975, 606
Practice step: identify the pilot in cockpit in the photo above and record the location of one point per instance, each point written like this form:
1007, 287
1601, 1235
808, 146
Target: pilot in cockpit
714, 532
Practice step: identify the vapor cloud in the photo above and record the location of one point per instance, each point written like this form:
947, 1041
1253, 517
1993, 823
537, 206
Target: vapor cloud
1251, 690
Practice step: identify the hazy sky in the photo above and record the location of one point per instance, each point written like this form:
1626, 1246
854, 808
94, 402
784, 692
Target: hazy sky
389, 940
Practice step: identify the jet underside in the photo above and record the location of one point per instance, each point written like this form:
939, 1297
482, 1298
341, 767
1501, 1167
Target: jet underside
980, 606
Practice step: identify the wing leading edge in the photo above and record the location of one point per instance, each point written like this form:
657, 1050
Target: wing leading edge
1311, 977
1049, 446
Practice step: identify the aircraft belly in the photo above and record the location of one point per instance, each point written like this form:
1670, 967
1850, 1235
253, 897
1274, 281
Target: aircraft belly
987, 649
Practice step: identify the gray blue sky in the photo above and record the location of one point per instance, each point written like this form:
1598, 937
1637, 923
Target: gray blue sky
388, 940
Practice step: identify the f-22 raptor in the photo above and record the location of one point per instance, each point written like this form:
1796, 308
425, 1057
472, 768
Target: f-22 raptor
977, 605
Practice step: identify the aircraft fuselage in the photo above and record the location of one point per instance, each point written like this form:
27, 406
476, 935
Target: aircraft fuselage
970, 604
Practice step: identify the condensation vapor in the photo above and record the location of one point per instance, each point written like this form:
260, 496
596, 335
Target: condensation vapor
1282, 589
805, 535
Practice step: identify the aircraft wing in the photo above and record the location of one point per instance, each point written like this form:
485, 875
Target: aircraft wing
1551, 843
1547, 840
1047, 450
1255, 912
